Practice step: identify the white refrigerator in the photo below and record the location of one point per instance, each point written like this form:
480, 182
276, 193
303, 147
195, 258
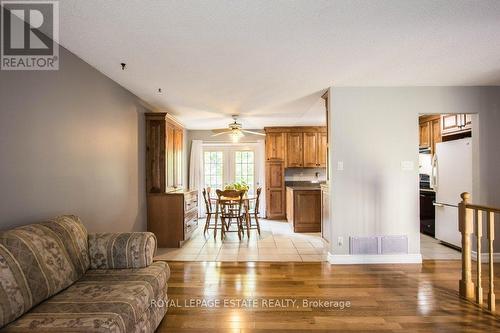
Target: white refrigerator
451, 175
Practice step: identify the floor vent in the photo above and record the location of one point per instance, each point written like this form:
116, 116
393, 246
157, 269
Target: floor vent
378, 245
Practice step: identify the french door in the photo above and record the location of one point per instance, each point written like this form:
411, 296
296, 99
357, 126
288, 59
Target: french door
226, 164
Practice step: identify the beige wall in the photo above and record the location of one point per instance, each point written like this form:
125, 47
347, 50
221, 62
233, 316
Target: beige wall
71, 141
373, 130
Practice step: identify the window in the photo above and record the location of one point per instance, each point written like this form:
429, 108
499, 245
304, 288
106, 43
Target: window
213, 168
244, 168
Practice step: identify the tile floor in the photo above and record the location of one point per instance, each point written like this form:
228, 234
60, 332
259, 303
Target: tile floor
277, 242
431, 248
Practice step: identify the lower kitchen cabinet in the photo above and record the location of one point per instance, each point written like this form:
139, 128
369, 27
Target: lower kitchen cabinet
304, 209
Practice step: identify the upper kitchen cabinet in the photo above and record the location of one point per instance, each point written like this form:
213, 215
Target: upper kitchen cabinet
275, 146
315, 149
455, 124
164, 146
294, 148
429, 132
424, 135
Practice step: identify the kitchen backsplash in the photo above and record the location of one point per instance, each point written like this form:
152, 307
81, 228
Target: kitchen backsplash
304, 174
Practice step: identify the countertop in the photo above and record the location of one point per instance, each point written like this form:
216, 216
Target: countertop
304, 188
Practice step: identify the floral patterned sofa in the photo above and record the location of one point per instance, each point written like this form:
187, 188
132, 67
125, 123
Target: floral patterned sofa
54, 277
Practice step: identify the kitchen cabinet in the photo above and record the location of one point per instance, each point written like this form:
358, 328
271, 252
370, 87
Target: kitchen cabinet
455, 123
429, 132
315, 150
275, 146
304, 209
290, 147
275, 190
294, 149
425, 135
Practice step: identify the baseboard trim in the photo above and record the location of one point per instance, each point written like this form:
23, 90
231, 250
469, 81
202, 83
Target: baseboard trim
358, 259
485, 258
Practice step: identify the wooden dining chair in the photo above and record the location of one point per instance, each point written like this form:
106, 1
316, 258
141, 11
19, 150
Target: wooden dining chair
230, 204
211, 212
254, 211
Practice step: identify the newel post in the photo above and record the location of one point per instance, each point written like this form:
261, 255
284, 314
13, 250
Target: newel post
465, 225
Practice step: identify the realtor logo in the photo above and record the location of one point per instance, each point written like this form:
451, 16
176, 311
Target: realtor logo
29, 35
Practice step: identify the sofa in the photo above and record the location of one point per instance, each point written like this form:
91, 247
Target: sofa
55, 277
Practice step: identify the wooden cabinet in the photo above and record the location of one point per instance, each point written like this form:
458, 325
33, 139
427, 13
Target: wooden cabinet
325, 213
290, 147
173, 216
294, 148
456, 123
429, 132
304, 209
172, 212
275, 146
425, 135
275, 190
164, 149
310, 156
315, 150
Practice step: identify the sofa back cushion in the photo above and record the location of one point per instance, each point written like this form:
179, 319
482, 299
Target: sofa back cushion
39, 260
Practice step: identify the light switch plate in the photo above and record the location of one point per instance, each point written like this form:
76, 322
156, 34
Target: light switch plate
407, 165
340, 166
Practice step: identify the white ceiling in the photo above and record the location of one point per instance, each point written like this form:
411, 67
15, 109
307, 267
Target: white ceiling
270, 60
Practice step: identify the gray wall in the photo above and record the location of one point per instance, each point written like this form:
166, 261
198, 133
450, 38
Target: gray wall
71, 141
373, 130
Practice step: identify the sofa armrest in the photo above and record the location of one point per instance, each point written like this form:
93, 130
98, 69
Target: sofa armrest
121, 250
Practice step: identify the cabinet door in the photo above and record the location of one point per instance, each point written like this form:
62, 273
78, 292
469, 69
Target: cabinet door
436, 133
322, 155
450, 123
155, 156
294, 156
275, 146
310, 150
170, 173
178, 148
275, 191
425, 135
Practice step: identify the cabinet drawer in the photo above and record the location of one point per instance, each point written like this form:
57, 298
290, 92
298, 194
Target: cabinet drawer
189, 228
190, 201
190, 215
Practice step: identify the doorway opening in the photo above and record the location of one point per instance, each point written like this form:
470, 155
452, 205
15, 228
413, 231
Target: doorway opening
445, 171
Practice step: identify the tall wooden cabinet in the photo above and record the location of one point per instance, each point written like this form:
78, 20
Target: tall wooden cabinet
172, 210
275, 189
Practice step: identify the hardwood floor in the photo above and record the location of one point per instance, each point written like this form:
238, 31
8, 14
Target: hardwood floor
384, 298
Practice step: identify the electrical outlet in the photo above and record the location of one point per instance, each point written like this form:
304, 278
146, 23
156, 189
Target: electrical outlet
340, 241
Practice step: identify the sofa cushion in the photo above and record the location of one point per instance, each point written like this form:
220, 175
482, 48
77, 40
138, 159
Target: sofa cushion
121, 250
101, 301
37, 261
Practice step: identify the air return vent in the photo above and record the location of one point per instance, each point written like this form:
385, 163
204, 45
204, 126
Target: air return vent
378, 245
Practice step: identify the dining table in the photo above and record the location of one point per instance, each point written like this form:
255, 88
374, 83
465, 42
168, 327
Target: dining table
245, 201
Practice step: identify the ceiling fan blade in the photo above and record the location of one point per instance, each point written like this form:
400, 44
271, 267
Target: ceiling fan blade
221, 133
252, 132
220, 130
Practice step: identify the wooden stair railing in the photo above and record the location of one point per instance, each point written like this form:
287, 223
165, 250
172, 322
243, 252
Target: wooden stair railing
467, 215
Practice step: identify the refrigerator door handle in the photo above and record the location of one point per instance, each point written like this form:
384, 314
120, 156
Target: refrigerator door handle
434, 171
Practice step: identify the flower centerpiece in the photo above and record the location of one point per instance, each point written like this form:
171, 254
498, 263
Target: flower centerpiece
238, 186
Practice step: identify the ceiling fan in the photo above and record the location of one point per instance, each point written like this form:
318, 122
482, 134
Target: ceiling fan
234, 130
